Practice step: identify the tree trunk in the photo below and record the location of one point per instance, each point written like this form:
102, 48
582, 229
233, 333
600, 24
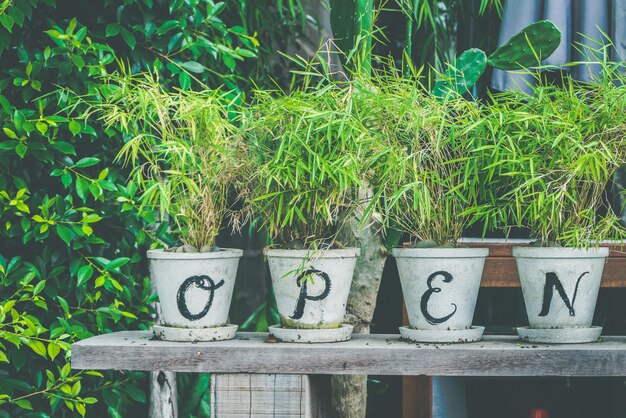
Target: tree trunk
348, 396
349, 392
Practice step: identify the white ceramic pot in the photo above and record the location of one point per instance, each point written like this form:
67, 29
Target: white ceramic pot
440, 285
319, 301
560, 285
194, 289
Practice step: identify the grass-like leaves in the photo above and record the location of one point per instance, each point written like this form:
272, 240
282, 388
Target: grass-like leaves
424, 175
181, 147
551, 157
307, 154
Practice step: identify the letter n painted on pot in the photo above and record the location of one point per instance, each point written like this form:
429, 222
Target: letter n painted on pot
302, 281
552, 283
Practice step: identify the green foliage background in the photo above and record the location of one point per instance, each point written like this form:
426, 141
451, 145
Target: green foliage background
72, 238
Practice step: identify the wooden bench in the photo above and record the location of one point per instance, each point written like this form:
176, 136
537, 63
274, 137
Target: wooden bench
374, 354
251, 352
252, 387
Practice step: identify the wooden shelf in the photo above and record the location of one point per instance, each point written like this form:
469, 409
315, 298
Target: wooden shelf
501, 271
372, 354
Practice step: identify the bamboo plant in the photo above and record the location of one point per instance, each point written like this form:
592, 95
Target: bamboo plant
424, 176
180, 145
552, 158
306, 162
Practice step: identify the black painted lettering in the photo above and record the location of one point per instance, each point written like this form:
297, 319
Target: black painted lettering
302, 282
447, 278
203, 282
553, 282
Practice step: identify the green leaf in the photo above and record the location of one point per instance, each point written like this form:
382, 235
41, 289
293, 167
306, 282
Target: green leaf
42, 127
39, 287
53, 350
84, 274
184, 80
21, 149
245, 53
78, 61
92, 217
167, 26
6, 106
118, 262
24, 404
112, 29
74, 127
66, 179
87, 230
82, 186
38, 347
87, 162
135, 393
193, 66
7, 21
65, 147
113, 412
95, 190
8, 132
103, 174
64, 305
129, 38
18, 120
71, 26
17, 15
3, 357
64, 233
229, 62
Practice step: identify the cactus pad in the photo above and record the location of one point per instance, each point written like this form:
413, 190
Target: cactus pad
467, 69
527, 48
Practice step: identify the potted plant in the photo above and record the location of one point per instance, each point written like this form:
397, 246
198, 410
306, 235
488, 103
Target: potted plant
554, 154
426, 184
305, 167
181, 149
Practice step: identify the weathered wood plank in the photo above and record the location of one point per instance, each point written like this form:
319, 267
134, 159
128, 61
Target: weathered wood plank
268, 395
256, 394
501, 271
372, 354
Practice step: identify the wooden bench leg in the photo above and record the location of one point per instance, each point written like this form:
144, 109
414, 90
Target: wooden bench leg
163, 402
417, 397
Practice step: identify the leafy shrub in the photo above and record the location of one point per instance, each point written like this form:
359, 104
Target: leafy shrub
72, 237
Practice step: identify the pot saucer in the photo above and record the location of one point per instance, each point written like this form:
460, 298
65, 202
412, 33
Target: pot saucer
469, 335
559, 335
320, 335
226, 332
